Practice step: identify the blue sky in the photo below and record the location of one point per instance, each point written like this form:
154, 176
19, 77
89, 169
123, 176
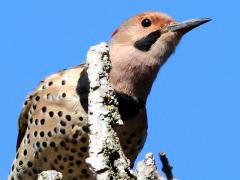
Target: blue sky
193, 108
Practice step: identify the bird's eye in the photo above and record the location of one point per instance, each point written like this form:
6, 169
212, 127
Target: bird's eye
146, 22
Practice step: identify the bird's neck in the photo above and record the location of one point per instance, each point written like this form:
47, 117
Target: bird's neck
129, 75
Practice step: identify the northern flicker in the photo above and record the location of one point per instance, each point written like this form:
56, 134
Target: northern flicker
53, 125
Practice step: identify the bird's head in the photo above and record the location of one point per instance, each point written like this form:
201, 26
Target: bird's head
140, 46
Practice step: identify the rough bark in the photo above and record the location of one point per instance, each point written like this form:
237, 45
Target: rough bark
106, 158
50, 175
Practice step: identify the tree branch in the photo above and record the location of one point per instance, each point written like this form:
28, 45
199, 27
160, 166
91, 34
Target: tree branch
106, 158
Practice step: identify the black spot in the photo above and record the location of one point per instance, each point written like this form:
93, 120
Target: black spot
52, 144
83, 140
129, 141
55, 161
12, 167
35, 133
132, 151
25, 152
30, 174
80, 118
83, 89
62, 131
28, 136
68, 117
70, 158
85, 128
20, 163
38, 144
42, 134
60, 113
25, 103
78, 163
132, 135
44, 109
42, 121
36, 155
61, 167
17, 155
146, 42
34, 107
34, 171
84, 171
62, 143
29, 164
139, 142
75, 135
48, 95
49, 134
56, 130
70, 171
59, 157
83, 149
63, 82
31, 120
65, 159
45, 160
63, 123
51, 113
63, 95
44, 144
36, 121
37, 98
50, 83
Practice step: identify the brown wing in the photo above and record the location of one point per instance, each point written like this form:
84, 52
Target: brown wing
25, 114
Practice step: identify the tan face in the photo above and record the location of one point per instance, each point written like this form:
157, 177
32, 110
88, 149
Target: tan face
144, 38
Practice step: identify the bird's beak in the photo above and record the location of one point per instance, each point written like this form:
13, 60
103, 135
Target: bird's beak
185, 26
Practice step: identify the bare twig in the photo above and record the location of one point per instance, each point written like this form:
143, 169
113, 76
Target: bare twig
167, 168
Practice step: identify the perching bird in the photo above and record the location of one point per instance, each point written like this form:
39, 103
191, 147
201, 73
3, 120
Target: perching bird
53, 125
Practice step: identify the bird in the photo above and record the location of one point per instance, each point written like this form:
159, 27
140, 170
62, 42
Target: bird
53, 124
